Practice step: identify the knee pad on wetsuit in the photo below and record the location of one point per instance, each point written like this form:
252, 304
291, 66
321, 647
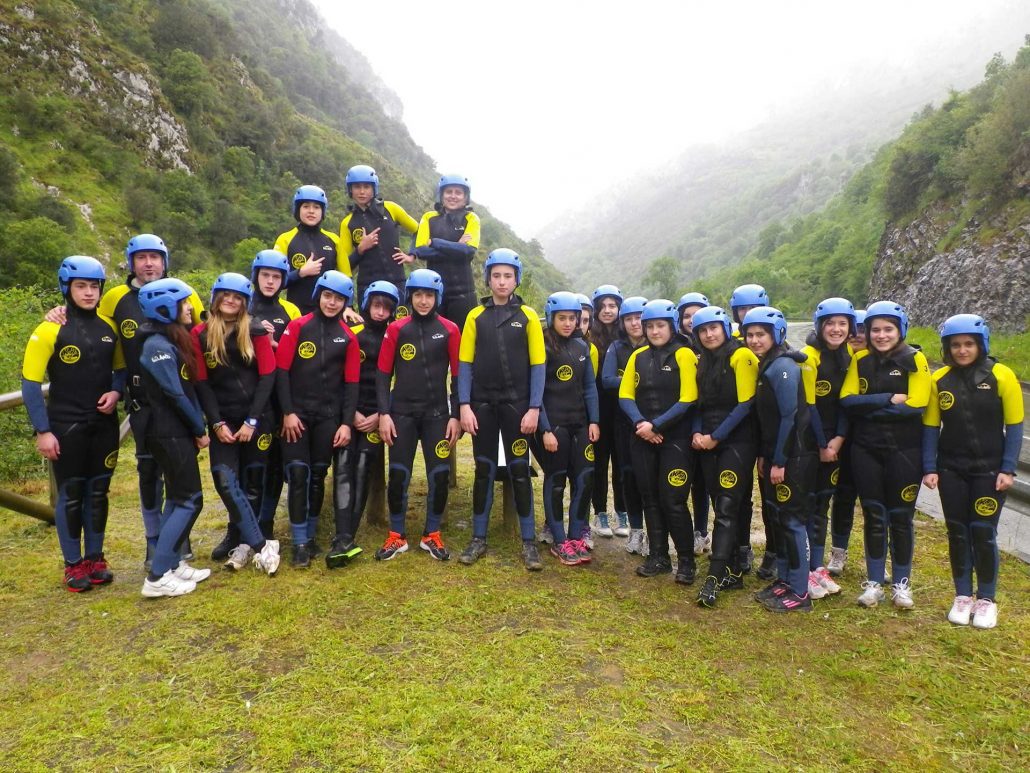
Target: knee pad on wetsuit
97, 490
397, 489
875, 529
483, 486
521, 487
439, 483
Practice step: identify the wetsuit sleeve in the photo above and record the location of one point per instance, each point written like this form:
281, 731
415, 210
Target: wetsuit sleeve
442, 249
745, 373
687, 362
160, 359
784, 381
453, 350
282, 244
292, 312
610, 378
198, 307
351, 377
1012, 408
628, 390
35, 404
594, 357
918, 387
402, 218
422, 234
851, 398
109, 301
590, 389
208, 399
537, 358
265, 360
816, 422
342, 255
284, 361
932, 425
466, 355
38, 352
384, 368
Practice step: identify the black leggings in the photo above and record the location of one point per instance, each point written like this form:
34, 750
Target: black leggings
305, 465
431, 432
605, 454
972, 508
787, 505
842, 514
238, 472
662, 473
727, 471
624, 460
501, 420
352, 479
177, 459
571, 463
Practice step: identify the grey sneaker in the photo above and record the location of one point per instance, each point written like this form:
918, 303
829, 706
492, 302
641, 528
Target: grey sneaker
531, 556
546, 537
476, 550
622, 530
838, 557
601, 526
239, 557
587, 538
635, 543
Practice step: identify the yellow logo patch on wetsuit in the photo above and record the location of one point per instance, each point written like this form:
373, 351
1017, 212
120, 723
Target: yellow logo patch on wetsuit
822, 388
307, 350
402, 312
209, 359
70, 355
443, 449
265, 441
727, 479
945, 400
111, 460
588, 452
863, 386
357, 235
298, 260
373, 437
909, 493
835, 476
519, 447
361, 355
620, 372
636, 379
783, 492
128, 328
408, 352
677, 477
564, 373
986, 506
185, 374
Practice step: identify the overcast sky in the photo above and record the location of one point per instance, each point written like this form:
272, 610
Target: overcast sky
542, 99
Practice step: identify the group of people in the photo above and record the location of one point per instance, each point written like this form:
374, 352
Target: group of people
297, 368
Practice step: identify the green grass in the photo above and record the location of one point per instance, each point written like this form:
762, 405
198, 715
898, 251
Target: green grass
420, 665
1012, 349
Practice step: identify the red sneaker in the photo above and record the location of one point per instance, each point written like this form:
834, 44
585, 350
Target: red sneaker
76, 577
98, 572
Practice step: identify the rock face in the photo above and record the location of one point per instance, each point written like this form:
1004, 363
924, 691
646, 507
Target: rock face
985, 270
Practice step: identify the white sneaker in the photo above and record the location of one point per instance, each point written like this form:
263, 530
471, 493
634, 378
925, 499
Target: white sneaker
635, 543
186, 572
239, 556
961, 609
622, 530
168, 584
985, 614
826, 581
546, 536
587, 538
268, 559
601, 526
702, 543
838, 557
871, 595
815, 590
901, 595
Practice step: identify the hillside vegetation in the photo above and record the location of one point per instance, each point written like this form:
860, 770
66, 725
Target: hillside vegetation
194, 119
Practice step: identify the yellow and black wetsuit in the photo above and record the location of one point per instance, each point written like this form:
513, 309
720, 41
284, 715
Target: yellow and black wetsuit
300, 243
438, 243
375, 263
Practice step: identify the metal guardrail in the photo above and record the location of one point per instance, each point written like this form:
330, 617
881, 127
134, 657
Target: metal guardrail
23, 504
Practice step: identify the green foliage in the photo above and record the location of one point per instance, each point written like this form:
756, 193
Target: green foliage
31, 251
1010, 349
662, 278
186, 81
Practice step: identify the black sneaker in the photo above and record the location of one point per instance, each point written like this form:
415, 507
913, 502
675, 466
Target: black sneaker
686, 572
531, 556
788, 602
301, 556
731, 581
768, 568
709, 592
314, 548
775, 588
221, 551
476, 550
746, 559
341, 553
654, 566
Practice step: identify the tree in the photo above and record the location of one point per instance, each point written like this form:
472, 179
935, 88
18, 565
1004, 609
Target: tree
663, 276
31, 251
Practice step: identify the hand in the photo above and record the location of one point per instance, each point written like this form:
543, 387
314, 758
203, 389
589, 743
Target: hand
1004, 482
760, 466
931, 478
468, 420
244, 433
108, 402
550, 442
342, 436
465, 239
270, 328
453, 431
529, 421
827, 454
311, 267
352, 317
201, 442
293, 428
224, 434
708, 442
368, 241
48, 445
776, 475
836, 443
898, 399
695, 442
593, 433
363, 423
645, 431
400, 257
387, 429
58, 315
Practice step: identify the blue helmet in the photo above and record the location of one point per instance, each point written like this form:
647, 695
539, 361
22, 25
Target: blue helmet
269, 259
79, 267
309, 193
749, 295
453, 179
691, 299
859, 317
145, 243
561, 301
968, 324
767, 315
502, 256
362, 173
159, 300
604, 291
335, 281
710, 314
888, 309
424, 279
835, 307
232, 282
632, 305
381, 287
584, 301
659, 308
